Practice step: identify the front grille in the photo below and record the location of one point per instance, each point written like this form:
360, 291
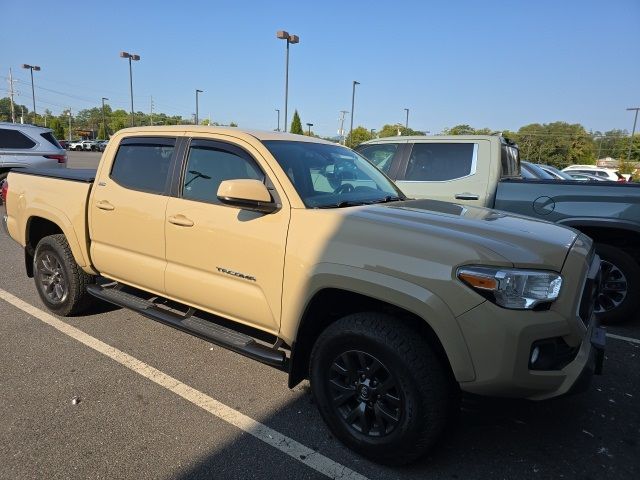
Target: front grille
591, 290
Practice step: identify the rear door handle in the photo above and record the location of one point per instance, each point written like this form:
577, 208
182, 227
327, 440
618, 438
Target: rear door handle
104, 205
467, 196
181, 221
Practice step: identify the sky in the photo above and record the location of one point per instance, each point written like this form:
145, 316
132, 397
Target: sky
494, 64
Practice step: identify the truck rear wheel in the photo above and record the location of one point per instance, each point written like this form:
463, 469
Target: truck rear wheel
380, 387
61, 283
618, 300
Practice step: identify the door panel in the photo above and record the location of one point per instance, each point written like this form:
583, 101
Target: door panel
128, 224
219, 258
452, 172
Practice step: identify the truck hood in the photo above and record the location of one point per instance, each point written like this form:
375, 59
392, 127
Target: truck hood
522, 241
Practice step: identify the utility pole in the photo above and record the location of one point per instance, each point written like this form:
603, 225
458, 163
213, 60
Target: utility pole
69, 124
151, 112
341, 129
11, 93
104, 120
406, 123
633, 132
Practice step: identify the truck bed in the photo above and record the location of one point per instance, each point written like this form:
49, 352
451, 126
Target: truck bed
86, 175
51, 197
617, 204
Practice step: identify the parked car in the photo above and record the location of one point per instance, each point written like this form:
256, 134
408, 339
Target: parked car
558, 174
76, 145
28, 146
321, 268
63, 143
531, 171
101, 145
587, 177
485, 170
606, 173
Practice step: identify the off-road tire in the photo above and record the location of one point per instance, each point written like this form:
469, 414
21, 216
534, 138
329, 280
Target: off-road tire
629, 267
422, 385
75, 280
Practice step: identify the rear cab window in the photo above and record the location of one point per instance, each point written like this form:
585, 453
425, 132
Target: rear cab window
144, 164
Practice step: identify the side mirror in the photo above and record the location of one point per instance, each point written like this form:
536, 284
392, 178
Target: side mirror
246, 194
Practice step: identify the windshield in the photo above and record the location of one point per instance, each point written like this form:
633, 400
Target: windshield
327, 176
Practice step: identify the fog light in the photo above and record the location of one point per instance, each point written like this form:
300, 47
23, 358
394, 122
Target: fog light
535, 353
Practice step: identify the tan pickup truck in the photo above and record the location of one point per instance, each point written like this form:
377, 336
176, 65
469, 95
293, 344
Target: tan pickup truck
300, 254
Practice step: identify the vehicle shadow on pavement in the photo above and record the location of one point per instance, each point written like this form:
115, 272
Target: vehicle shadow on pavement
570, 437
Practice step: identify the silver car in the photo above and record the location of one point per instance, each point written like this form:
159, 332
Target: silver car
28, 146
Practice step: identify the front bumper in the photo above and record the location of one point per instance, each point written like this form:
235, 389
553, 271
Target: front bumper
501, 341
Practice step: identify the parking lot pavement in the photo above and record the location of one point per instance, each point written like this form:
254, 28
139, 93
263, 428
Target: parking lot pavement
127, 425
83, 159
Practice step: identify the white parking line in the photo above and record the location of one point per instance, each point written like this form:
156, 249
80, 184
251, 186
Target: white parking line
287, 445
620, 337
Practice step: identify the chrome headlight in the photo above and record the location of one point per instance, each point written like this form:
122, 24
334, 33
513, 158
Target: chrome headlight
513, 288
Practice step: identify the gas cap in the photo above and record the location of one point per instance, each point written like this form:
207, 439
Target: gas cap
544, 205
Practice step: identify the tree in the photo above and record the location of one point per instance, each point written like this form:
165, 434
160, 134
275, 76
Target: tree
57, 127
465, 129
101, 132
296, 124
397, 129
357, 136
5, 110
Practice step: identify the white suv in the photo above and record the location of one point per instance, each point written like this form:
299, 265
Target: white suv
607, 173
28, 146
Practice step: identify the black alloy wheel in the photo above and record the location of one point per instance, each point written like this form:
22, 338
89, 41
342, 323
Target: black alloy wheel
365, 395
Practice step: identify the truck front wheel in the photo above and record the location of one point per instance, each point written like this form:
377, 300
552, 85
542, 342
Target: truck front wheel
618, 299
380, 387
61, 283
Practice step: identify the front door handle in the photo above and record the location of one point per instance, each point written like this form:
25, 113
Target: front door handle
181, 221
467, 196
104, 205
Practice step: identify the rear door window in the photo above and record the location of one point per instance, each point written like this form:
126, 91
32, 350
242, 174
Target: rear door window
143, 164
438, 162
13, 139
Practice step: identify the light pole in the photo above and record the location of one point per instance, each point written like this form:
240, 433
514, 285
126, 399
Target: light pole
135, 58
353, 99
406, 123
635, 120
291, 39
278, 110
33, 91
69, 124
197, 92
309, 125
104, 122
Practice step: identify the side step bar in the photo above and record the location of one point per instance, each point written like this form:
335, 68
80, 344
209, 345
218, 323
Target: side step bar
212, 332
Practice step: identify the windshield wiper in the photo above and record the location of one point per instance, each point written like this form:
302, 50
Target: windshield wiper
342, 204
387, 199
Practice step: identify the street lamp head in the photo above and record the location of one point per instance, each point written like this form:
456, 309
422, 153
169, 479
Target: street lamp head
36, 68
135, 57
309, 124
104, 98
199, 91
125, 55
294, 39
24, 65
282, 34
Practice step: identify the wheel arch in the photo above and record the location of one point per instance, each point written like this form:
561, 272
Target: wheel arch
617, 233
433, 322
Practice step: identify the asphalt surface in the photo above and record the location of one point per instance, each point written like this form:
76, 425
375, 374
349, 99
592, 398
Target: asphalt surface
122, 425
